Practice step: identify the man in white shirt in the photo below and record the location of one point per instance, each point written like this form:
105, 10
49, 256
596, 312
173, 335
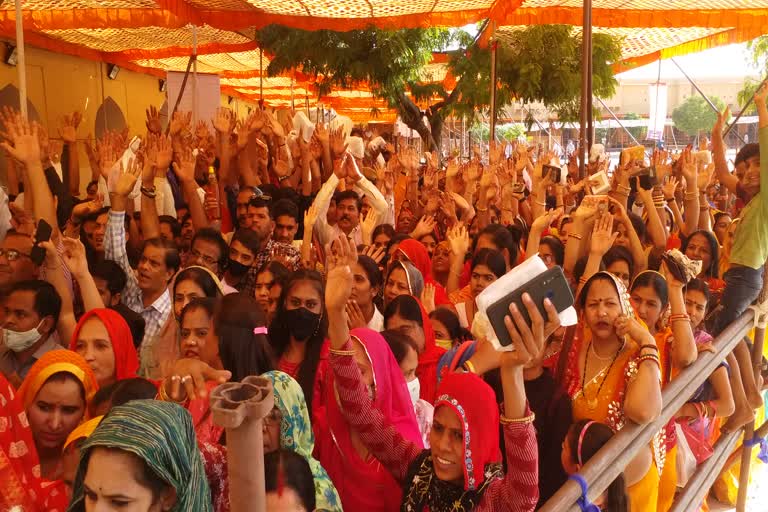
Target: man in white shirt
348, 203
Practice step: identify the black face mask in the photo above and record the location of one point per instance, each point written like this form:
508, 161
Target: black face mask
302, 323
237, 269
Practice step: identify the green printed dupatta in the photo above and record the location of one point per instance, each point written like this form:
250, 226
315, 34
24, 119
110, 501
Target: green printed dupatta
162, 435
296, 435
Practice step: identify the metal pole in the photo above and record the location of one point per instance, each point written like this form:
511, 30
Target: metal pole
606, 107
590, 114
494, 47
706, 98
20, 63
194, 75
749, 428
261, 77
585, 83
744, 109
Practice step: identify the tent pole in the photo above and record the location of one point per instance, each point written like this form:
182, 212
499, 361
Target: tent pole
494, 47
194, 75
20, 63
586, 92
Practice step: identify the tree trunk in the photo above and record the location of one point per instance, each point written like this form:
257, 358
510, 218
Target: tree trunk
411, 115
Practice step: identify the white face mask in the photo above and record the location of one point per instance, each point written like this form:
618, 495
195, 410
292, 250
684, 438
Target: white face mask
414, 389
20, 341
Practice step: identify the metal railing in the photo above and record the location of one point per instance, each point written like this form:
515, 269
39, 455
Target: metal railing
610, 461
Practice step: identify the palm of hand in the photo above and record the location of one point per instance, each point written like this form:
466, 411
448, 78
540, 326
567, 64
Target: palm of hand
27, 148
338, 287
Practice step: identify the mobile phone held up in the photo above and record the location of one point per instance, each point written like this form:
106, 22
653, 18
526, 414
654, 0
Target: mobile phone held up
646, 178
43, 234
554, 172
551, 285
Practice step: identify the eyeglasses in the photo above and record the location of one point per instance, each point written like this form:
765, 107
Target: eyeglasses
12, 254
202, 257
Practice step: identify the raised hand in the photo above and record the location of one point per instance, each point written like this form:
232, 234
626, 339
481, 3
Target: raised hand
425, 226
164, 155
458, 238
529, 340
375, 253
355, 317
74, 256
188, 377
68, 127
321, 133
669, 188
108, 156
180, 122
24, 137
184, 167
408, 158
340, 258
223, 122
153, 123
337, 143
544, 221
202, 133
310, 216
603, 235
128, 177
368, 225
428, 297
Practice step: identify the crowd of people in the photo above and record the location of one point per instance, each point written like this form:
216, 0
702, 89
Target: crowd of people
345, 268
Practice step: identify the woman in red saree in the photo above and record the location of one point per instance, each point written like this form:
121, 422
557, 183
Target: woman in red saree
360, 479
406, 314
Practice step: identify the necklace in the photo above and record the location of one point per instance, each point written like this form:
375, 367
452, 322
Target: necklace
597, 356
592, 403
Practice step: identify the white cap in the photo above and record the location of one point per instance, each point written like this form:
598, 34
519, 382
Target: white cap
356, 147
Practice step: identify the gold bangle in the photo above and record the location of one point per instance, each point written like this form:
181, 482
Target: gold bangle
577, 236
342, 352
541, 203
163, 396
511, 421
482, 209
470, 367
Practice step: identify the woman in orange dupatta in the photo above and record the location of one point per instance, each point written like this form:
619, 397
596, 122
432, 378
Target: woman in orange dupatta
659, 302
19, 467
55, 395
612, 375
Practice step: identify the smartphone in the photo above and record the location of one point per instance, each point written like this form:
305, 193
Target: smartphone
553, 171
550, 284
43, 234
518, 188
647, 178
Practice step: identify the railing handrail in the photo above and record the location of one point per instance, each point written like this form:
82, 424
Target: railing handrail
611, 459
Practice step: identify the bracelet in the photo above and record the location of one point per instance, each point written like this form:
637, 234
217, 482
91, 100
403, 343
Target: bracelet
658, 204
583, 280
149, 192
481, 209
680, 316
624, 187
577, 236
690, 196
650, 346
342, 352
649, 357
511, 421
469, 367
281, 179
162, 395
541, 203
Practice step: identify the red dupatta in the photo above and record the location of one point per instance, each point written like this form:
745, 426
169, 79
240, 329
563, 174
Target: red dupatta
418, 255
426, 371
126, 359
366, 485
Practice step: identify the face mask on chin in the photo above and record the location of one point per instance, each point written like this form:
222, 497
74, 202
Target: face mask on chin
19, 341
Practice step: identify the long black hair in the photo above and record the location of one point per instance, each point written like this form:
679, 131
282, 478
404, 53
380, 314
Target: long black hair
280, 334
242, 352
287, 468
714, 251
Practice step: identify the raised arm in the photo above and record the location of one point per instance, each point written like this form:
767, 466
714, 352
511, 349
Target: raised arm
54, 274
642, 400
74, 257
725, 178
68, 132
684, 350
391, 449
322, 201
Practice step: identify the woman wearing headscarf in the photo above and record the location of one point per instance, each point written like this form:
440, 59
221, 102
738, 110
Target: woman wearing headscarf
102, 337
295, 434
55, 395
363, 483
461, 471
19, 466
152, 445
611, 371
402, 279
407, 315
415, 252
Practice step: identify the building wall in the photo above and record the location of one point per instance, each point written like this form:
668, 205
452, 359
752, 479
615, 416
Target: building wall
59, 84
